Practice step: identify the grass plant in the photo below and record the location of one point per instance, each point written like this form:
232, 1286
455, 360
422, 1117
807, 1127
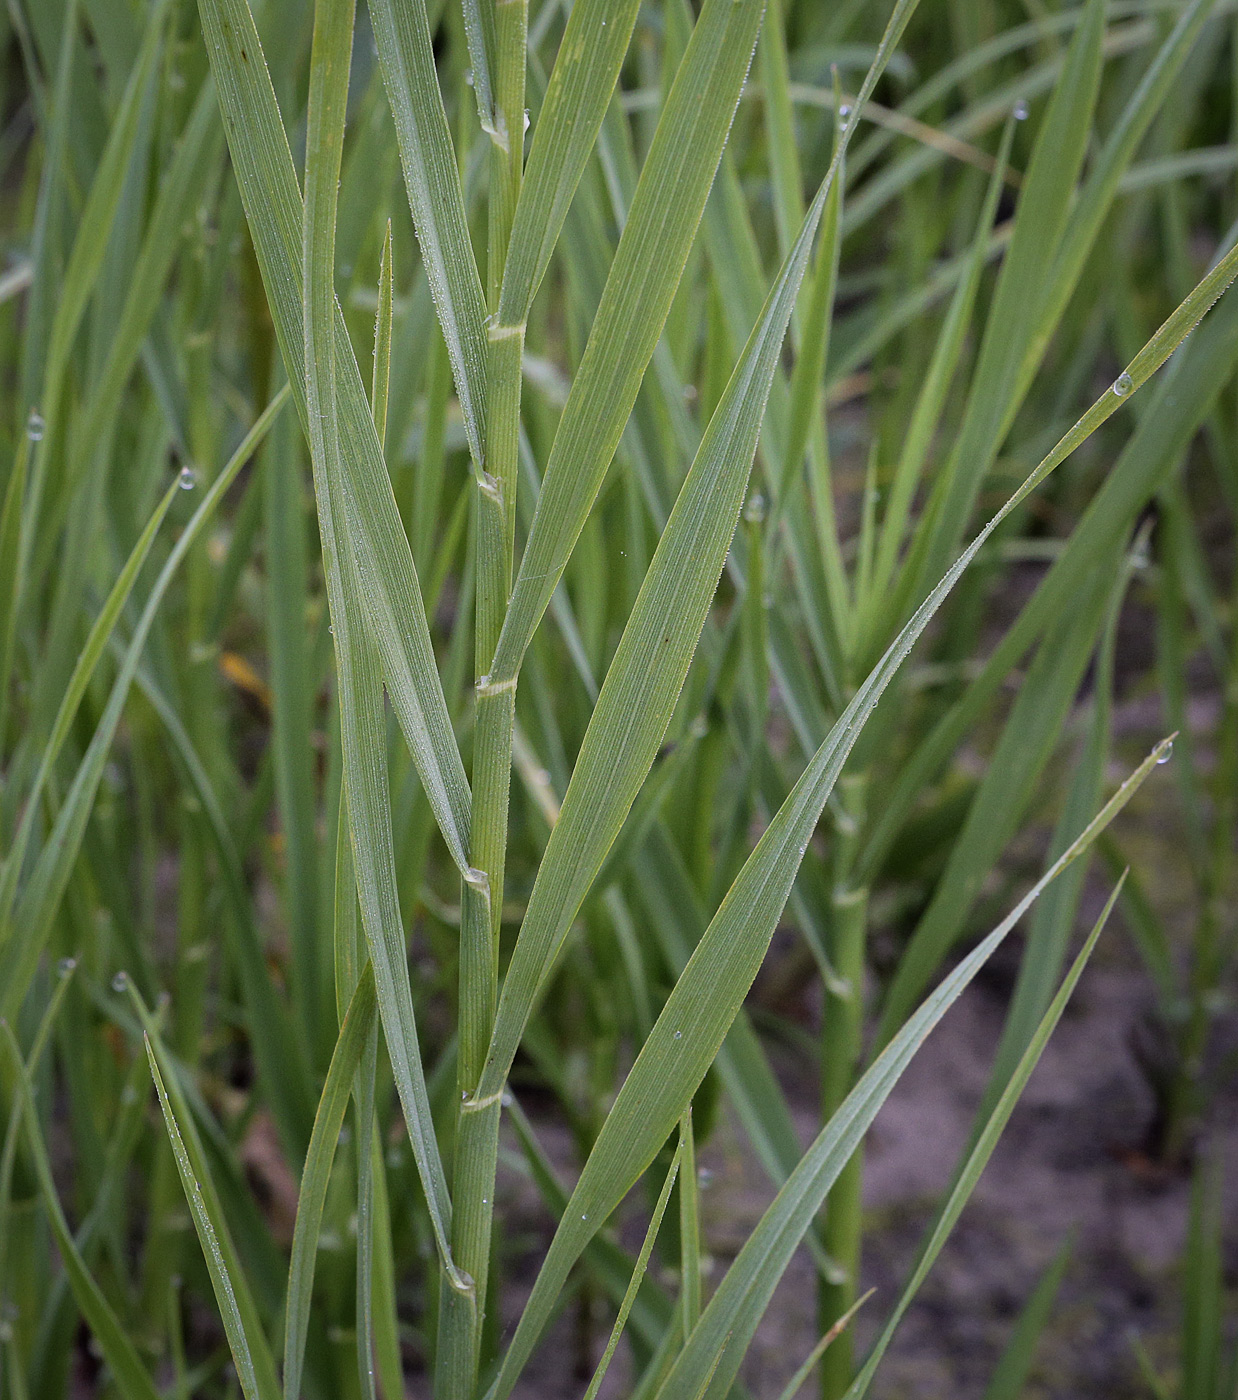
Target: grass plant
753, 396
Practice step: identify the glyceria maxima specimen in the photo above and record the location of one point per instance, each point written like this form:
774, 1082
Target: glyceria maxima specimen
797, 581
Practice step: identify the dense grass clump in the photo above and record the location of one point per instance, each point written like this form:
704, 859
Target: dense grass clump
510, 511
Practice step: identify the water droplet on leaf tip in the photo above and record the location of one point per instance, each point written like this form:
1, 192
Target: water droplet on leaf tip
1122, 385
1020, 111
1166, 753
35, 426
65, 966
120, 981
187, 479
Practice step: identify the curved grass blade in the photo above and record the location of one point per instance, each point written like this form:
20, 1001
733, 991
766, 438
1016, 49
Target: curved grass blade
381, 386
8, 1154
638, 1274
317, 1174
192, 1157
41, 896
1014, 1366
706, 998
221, 1279
718, 1344
643, 683
1030, 735
1104, 179
979, 1155
402, 34
1177, 408
24, 497
793, 1386
87, 660
120, 1353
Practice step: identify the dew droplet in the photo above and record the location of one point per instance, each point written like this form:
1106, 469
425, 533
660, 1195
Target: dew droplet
65, 966
679, 1035
844, 110
1122, 385
35, 426
187, 479
120, 981
1166, 753
1020, 110
584, 1217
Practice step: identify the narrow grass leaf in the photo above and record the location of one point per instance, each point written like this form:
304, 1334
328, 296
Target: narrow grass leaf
1112, 161
41, 895
978, 1157
1027, 742
1179, 404
74, 288
221, 1279
118, 1350
638, 1275
381, 386
316, 1175
586, 69
795, 1384
1013, 1368
402, 33
88, 658
717, 1346
279, 1052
